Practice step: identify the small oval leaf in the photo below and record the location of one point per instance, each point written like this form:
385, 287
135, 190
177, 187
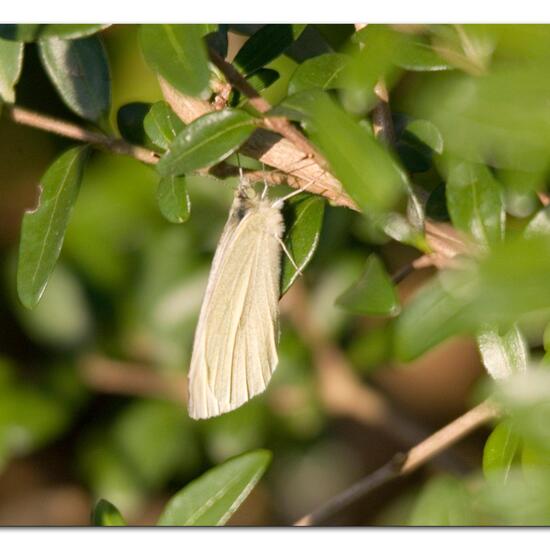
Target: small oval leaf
475, 202
502, 352
43, 229
11, 61
500, 451
212, 498
130, 121
323, 71
173, 199
265, 45
162, 125
178, 54
80, 72
419, 55
304, 220
106, 514
206, 141
373, 293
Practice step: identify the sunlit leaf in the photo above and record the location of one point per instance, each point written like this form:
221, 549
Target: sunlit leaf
106, 514
373, 293
178, 54
304, 220
162, 125
321, 72
11, 61
43, 229
206, 141
80, 72
500, 451
213, 498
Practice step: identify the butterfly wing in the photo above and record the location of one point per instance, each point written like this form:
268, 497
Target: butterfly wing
235, 348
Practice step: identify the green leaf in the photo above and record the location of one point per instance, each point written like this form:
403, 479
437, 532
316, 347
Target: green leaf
130, 122
373, 293
79, 70
366, 169
539, 224
500, 451
265, 45
20, 33
212, 498
418, 55
259, 80
475, 202
509, 282
162, 125
206, 141
304, 220
11, 61
444, 501
173, 199
43, 229
106, 514
178, 54
502, 352
417, 144
31, 33
323, 71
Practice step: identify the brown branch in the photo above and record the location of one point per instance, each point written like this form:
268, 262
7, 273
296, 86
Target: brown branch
402, 464
20, 115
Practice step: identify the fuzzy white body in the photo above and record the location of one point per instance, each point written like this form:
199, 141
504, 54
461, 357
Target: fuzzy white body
235, 347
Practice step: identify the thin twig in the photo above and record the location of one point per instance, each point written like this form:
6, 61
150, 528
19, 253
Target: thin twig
27, 117
403, 464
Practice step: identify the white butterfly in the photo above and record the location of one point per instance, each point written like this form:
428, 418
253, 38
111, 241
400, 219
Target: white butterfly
235, 347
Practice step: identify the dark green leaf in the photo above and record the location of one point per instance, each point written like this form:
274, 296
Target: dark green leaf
373, 293
80, 72
206, 141
20, 33
503, 352
444, 501
30, 33
265, 45
178, 54
173, 199
11, 61
43, 229
475, 203
259, 80
304, 220
213, 498
500, 451
336, 35
106, 514
162, 125
366, 169
130, 122
321, 72
436, 207
216, 39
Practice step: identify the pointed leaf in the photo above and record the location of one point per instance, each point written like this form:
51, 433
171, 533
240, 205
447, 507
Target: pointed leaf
500, 451
373, 293
178, 54
502, 352
323, 71
475, 202
206, 141
162, 125
173, 199
212, 498
11, 61
304, 220
106, 514
80, 72
43, 229
265, 45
